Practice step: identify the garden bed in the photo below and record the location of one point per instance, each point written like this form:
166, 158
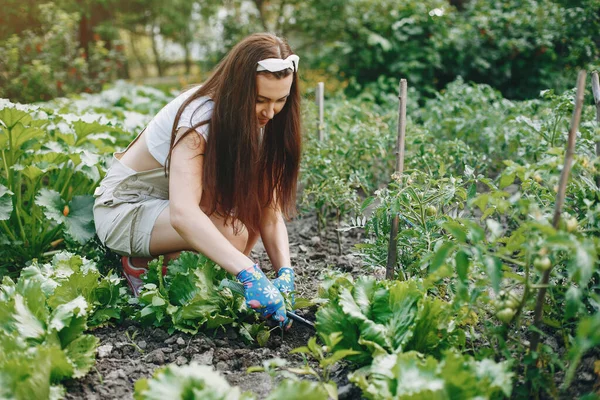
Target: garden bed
128, 352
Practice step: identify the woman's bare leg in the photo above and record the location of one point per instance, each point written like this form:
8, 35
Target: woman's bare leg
165, 239
251, 242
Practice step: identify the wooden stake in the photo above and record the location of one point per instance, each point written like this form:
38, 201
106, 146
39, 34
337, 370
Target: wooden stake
560, 199
596, 91
392, 248
319, 98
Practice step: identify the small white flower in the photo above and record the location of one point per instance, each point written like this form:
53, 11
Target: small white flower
270, 292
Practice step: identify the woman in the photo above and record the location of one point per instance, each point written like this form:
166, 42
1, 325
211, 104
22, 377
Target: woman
213, 170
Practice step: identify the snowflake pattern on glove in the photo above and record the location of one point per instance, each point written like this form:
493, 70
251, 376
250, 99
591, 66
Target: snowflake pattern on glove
285, 282
261, 295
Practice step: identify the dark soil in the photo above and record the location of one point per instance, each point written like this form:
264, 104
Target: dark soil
129, 352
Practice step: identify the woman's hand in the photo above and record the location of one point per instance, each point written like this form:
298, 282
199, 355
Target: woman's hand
262, 296
285, 282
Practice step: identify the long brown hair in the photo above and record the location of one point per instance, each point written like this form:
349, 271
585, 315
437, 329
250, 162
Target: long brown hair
243, 173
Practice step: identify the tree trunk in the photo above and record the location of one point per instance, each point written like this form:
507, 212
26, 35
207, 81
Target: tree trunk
188, 58
261, 12
84, 34
137, 56
156, 53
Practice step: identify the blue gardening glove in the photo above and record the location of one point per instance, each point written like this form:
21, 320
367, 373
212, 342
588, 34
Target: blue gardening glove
285, 282
262, 296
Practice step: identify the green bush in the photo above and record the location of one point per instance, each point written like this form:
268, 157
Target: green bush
37, 67
518, 47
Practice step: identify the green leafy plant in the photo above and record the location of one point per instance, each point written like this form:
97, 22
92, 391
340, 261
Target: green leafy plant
335, 171
322, 354
380, 317
42, 65
43, 319
48, 171
488, 239
193, 381
412, 375
189, 297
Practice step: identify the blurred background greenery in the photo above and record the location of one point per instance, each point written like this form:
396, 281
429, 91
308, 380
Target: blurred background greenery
51, 49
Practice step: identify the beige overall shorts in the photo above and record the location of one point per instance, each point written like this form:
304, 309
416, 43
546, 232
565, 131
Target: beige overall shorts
127, 204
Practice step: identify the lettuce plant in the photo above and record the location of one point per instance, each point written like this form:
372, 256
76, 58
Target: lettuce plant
43, 317
188, 297
387, 317
49, 166
193, 381
201, 382
412, 375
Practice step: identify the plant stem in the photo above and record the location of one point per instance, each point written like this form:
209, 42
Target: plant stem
6, 168
8, 231
560, 198
67, 181
558, 119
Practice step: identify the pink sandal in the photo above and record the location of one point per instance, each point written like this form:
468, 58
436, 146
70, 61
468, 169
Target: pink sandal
133, 274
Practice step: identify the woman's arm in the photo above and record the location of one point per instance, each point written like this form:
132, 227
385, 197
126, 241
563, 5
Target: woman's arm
275, 238
187, 218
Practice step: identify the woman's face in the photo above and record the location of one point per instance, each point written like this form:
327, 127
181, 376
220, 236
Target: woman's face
271, 97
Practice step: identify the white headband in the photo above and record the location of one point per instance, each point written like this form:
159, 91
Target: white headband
277, 64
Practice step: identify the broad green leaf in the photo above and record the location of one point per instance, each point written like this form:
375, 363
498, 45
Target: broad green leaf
581, 268
70, 317
32, 172
28, 377
6, 204
52, 203
218, 321
411, 375
32, 290
350, 307
462, 265
440, 256
338, 356
11, 116
77, 284
26, 323
481, 201
493, 268
157, 301
404, 298
21, 134
82, 354
507, 179
263, 337
475, 233
573, 303
80, 220
456, 230
61, 366
84, 129
182, 289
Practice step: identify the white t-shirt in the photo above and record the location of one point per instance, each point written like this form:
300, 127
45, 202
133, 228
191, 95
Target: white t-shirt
158, 131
